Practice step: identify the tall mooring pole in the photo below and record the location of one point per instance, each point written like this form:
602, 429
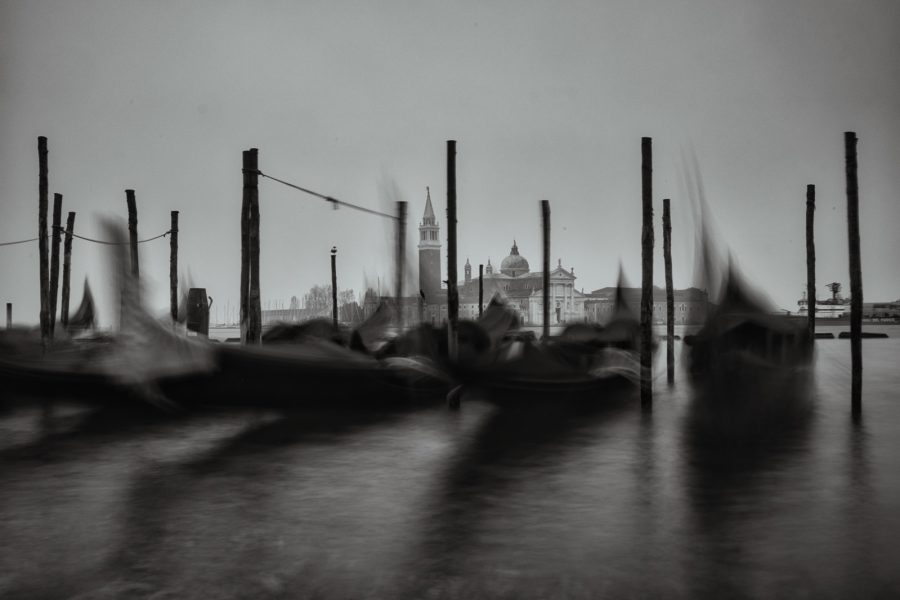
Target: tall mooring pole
810, 263
452, 292
54, 260
133, 233
255, 298
670, 293
647, 273
43, 241
334, 306
401, 259
856, 291
248, 169
67, 271
251, 308
173, 267
480, 290
545, 239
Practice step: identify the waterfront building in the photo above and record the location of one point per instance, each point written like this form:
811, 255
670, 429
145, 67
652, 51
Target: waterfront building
691, 305
515, 283
522, 290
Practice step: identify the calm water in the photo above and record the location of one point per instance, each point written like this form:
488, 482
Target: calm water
474, 503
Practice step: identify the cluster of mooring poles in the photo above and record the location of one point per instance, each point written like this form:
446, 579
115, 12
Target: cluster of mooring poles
251, 319
856, 292
250, 304
49, 253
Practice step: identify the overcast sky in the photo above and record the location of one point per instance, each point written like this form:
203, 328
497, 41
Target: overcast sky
545, 99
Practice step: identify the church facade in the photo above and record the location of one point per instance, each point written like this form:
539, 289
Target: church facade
514, 282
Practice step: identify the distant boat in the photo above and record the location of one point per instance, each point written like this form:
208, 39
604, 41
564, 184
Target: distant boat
834, 309
750, 369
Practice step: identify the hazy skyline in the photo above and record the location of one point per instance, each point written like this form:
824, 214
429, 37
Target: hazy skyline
356, 100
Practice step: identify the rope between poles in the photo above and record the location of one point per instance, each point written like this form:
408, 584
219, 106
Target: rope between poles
63, 231
19, 242
334, 201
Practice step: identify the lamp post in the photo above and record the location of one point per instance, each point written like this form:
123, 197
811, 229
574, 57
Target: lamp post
334, 306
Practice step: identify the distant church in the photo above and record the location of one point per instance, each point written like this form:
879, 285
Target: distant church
520, 287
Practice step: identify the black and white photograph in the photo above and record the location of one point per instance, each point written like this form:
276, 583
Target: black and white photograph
334, 299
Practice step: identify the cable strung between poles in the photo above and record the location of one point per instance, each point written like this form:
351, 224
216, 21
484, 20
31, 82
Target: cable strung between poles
19, 242
63, 231
334, 201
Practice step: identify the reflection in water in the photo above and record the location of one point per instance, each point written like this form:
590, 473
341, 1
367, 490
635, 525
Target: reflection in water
473, 503
730, 487
512, 449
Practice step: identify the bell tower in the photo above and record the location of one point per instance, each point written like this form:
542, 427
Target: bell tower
429, 254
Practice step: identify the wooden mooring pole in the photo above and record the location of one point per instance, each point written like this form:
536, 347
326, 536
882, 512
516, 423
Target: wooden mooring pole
401, 259
245, 246
856, 291
810, 263
173, 267
334, 306
67, 271
54, 260
43, 242
9, 315
545, 275
452, 292
251, 307
647, 274
133, 233
255, 332
670, 293
480, 290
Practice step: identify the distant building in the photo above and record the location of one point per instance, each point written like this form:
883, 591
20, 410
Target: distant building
691, 305
522, 290
520, 287
882, 311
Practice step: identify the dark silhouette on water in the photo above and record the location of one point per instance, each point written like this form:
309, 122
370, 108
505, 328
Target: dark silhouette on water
749, 367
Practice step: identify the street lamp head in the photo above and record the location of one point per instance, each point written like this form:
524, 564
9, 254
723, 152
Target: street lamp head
333, 250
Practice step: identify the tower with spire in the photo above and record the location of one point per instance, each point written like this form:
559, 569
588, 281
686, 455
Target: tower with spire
429, 254
468, 270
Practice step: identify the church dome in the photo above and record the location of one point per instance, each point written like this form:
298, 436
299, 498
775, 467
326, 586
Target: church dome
514, 264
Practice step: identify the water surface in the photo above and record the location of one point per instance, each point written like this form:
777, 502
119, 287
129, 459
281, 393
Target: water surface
440, 504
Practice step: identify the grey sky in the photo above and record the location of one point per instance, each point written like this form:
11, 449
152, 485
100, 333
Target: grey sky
546, 100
